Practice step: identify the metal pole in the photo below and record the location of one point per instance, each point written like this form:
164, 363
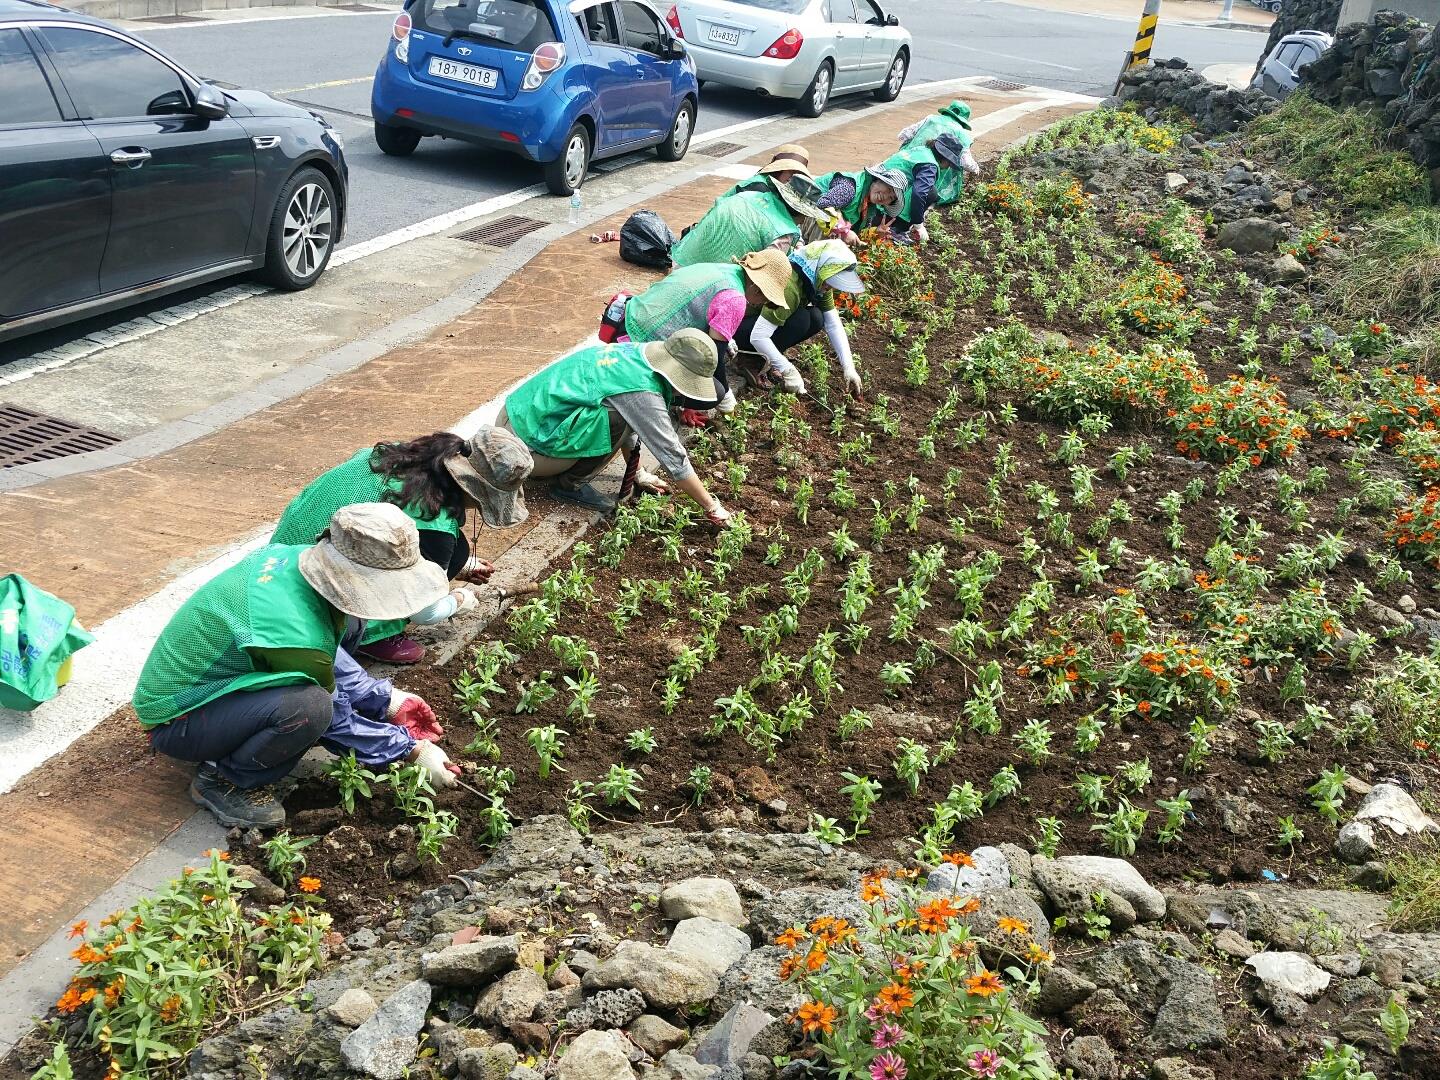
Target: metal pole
1225, 11
1139, 53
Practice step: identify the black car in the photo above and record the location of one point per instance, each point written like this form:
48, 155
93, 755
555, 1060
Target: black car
124, 177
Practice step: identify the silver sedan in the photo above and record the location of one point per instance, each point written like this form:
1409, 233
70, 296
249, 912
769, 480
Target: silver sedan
808, 50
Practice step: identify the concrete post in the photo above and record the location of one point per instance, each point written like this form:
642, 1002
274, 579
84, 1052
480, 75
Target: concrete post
1225, 11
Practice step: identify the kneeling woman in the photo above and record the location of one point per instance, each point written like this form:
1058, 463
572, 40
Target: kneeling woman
436, 480
254, 668
576, 414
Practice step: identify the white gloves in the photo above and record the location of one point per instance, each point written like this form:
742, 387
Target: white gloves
436, 764
968, 163
717, 514
919, 234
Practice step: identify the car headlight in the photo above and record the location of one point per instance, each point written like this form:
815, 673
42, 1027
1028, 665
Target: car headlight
331, 128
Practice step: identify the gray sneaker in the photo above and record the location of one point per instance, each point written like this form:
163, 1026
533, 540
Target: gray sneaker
255, 808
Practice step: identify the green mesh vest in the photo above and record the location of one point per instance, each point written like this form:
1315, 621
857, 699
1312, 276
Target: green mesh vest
350, 482
953, 119
907, 161
851, 211
680, 300
734, 226
560, 411
262, 602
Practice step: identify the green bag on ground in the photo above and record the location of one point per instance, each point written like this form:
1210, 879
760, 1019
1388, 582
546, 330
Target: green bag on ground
38, 633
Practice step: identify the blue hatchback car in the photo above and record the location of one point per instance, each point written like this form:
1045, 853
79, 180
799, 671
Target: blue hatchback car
555, 82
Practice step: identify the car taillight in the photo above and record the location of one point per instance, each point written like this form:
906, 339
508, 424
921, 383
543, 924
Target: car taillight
673, 18
547, 58
787, 45
400, 31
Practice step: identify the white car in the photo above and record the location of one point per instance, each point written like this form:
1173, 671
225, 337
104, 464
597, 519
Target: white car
807, 50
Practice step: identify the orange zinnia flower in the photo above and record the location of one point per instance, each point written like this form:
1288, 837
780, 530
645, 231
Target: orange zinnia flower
788, 966
894, 999
309, 884
957, 858
170, 1010
113, 992
88, 954
815, 1016
871, 891
969, 907
815, 958
78, 930
936, 915
70, 1001
984, 984
788, 939
1008, 925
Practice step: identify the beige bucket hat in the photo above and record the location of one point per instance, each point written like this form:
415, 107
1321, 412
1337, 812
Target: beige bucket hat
367, 563
687, 360
490, 470
792, 157
770, 272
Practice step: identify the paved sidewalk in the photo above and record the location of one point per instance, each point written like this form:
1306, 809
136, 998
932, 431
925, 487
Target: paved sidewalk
107, 540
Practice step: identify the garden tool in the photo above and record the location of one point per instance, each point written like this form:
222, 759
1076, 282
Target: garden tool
632, 470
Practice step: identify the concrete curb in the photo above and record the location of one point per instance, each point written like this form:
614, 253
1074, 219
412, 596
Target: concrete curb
150, 9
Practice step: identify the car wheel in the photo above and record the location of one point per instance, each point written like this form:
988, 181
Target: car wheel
895, 78
817, 94
396, 141
678, 141
302, 231
566, 173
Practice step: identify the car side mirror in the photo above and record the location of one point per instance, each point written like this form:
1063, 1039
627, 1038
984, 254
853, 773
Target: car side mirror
677, 50
892, 20
210, 103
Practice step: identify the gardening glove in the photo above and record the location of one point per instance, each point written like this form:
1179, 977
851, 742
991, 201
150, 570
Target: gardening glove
968, 163
919, 234
414, 715
466, 598
476, 570
442, 771
717, 514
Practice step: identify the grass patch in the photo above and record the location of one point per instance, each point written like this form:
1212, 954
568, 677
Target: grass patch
1395, 271
1415, 907
1343, 150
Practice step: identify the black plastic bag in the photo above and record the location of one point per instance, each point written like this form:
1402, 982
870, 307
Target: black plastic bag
646, 240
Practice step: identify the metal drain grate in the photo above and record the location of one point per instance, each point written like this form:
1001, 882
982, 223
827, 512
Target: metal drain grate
719, 149
502, 232
168, 19
1000, 84
27, 437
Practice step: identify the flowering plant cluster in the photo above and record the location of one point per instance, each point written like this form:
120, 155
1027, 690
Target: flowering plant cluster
1247, 418
1151, 298
1312, 238
893, 274
1008, 198
1175, 676
152, 980
1173, 233
907, 995
1399, 401
1416, 530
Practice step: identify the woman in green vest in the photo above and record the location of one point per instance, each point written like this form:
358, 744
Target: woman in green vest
436, 480
254, 668
869, 199
735, 224
953, 120
576, 414
923, 166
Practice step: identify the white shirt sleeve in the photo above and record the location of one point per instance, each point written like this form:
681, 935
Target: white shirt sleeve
839, 341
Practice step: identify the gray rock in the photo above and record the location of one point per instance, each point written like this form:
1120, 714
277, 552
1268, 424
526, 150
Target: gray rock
264, 891
1022, 876
1174, 1068
677, 1065
1179, 995
557, 1003
1355, 842
1239, 815
1061, 989
1390, 805
991, 871
524, 1072
597, 1055
1251, 235
717, 945
1094, 872
1291, 971
511, 998
607, 1010
473, 963
998, 946
729, 1040
384, 1045
669, 980
352, 1008
1286, 1007
1090, 1058
1232, 944
1345, 965
757, 1067
655, 1036
703, 897
1174, 182
799, 907
362, 939
756, 979
581, 961
1073, 897
494, 1062
1277, 914
1287, 270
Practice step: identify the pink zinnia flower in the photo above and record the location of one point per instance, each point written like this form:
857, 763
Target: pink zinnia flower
985, 1063
886, 1036
874, 1015
888, 1066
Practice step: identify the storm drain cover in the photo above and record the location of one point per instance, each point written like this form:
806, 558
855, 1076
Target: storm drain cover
1001, 84
719, 149
502, 232
27, 437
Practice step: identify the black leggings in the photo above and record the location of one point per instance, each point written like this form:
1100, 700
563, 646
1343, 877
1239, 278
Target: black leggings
801, 326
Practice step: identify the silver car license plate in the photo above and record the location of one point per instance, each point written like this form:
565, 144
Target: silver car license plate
470, 74
724, 35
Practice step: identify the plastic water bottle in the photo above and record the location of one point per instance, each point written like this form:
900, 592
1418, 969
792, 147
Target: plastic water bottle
576, 205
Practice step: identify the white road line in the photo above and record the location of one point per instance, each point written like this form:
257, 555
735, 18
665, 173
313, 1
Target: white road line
431, 226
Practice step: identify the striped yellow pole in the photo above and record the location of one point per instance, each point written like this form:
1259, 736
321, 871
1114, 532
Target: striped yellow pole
1145, 36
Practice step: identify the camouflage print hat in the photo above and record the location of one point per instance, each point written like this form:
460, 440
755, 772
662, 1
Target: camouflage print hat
490, 469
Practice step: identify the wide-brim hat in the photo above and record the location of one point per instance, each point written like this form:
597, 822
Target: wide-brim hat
687, 360
792, 157
895, 180
792, 198
769, 270
835, 266
491, 469
950, 150
367, 563
959, 112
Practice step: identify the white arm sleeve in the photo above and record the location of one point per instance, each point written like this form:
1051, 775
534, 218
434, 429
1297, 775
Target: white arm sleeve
437, 612
839, 341
760, 341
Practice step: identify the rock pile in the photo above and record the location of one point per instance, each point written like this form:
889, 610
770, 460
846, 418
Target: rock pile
1217, 108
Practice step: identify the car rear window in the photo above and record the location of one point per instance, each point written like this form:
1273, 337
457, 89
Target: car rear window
790, 7
511, 24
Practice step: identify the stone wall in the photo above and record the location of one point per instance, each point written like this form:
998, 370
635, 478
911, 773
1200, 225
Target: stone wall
1302, 15
1172, 84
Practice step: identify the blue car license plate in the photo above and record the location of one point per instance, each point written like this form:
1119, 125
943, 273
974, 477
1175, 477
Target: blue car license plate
470, 74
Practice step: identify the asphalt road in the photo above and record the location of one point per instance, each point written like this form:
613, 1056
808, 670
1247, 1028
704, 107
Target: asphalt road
327, 60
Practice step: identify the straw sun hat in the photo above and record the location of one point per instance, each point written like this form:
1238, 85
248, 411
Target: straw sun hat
769, 270
367, 563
